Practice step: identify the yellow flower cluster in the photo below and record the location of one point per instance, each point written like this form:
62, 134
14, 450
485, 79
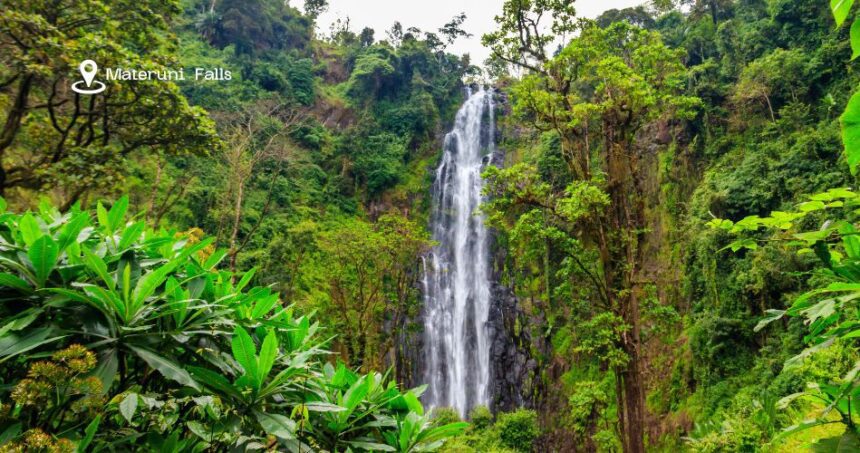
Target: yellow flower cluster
54, 382
36, 440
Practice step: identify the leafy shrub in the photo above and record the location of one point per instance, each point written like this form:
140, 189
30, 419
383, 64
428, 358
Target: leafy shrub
518, 430
445, 415
188, 357
481, 417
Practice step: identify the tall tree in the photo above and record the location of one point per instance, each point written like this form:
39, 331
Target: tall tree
51, 135
454, 29
256, 137
369, 274
522, 36
597, 94
314, 8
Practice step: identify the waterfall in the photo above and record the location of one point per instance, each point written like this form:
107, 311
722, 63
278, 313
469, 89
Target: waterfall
456, 281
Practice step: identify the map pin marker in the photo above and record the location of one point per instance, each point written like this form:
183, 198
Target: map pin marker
88, 69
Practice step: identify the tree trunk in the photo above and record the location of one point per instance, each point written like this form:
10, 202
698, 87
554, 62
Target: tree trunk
626, 216
13, 123
634, 398
16, 113
237, 219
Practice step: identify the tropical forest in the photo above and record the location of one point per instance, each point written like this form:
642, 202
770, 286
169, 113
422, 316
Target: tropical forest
494, 226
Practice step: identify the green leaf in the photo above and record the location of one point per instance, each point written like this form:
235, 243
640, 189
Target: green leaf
245, 352
131, 234
370, 446
742, 244
772, 315
106, 369
850, 121
214, 381
102, 215
150, 282
20, 321
268, 354
443, 432
147, 284
128, 406
354, 396
12, 281
317, 406
166, 367
846, 443
855, 39
245, 279
413, 403
13, 344
277, 425
822, 309
30, 230
214, 259
850, 442
263, 306
811, 206
69, 234
11, 432
811, 237
840, 9
95, 264
116, 216
43, 256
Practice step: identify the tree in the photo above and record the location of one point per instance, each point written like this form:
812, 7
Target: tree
522, 38
259, 136
314, 8
395, 34
255, 26
780, 73
452, 30
638, 16
597, 95
366, 38
370, 276
51, 135
373, 68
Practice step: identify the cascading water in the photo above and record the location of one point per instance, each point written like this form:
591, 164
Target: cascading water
457, 277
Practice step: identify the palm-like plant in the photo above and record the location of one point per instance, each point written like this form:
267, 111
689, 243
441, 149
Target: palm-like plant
169, 325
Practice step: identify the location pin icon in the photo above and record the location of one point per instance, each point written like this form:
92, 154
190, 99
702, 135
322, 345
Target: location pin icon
88, 69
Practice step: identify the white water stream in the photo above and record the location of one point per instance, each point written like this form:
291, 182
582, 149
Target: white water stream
457, 271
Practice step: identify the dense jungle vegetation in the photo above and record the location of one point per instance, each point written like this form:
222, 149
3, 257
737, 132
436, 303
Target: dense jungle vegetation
231, 266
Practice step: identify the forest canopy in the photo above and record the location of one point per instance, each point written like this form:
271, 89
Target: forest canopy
207, 266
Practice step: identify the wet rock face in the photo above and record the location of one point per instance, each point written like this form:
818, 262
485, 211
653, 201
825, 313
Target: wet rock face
512, 368
512, 384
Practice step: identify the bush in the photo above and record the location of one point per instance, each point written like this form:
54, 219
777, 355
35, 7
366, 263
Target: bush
445, 415
518, 430
183, 353
481, 417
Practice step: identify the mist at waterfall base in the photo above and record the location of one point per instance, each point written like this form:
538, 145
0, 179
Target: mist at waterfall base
457, 276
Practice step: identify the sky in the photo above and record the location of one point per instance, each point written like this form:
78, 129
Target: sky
429, 15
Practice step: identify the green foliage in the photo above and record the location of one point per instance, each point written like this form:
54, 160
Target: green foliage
54, 138
378, 161
257, 25
517, 430
511, 432
367, 270
372, 69
828, 308
187, 357
481, 417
